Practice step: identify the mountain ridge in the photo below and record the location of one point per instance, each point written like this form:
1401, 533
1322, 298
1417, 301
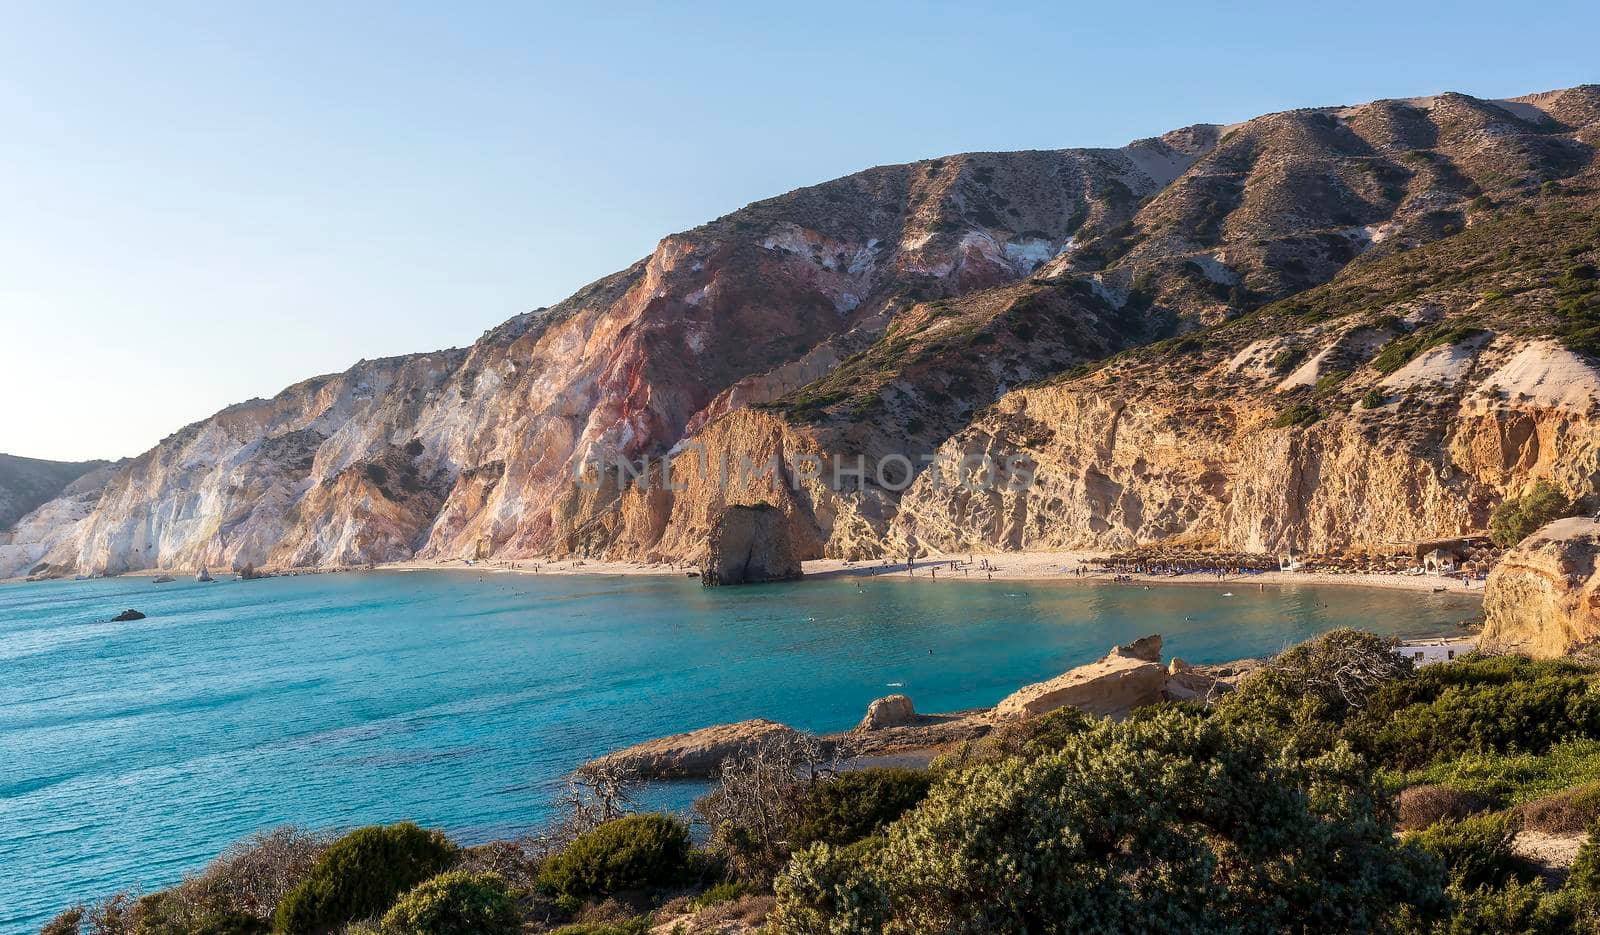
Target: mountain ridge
885, 311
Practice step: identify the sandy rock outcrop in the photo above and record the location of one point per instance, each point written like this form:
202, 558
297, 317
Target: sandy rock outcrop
1112, 686
750, 545
1543, 598
889, 711
696, 754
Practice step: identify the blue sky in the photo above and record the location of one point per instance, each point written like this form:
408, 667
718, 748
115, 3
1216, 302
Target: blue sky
200, 203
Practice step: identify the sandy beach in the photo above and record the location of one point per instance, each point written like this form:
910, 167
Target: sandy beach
1002, 566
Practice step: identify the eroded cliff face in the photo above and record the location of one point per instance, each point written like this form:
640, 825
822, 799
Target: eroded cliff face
1115, 469
1543, 598
942, 306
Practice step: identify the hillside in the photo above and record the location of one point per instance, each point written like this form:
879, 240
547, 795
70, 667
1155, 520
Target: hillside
1184, 335
25, 483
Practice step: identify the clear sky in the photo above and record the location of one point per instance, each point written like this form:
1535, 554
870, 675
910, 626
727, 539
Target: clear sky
201, 203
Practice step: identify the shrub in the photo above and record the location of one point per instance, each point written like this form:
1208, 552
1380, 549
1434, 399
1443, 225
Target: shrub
68, 922
721, 893
1372, 398
638, 926
361, 874
457, 903
517, 860
1516, 908
851, 806
1329, 382
1516, 777
1421, 806
1475, 851
1029, 739
1527, 716
1307, 693
636, 852
1297, 415
230, 923
1584, 878
756, 802
1569, 812
1169, 823
1515, 520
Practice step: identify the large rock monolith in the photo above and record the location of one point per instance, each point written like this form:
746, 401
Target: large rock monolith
748, 545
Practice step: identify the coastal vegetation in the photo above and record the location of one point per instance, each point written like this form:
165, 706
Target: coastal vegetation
1337, 789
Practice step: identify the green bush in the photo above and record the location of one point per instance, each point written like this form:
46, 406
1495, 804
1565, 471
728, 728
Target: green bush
856, 804
1475, 851
457, 903
637, 926
1514, 909
1372, 398
636, 852
1584, 878
1297, 415
1515, 777
1515, 520
1029, 739
1399, 352
1309, 691
362, 874
721, 893
1169, 823
1529, 716
230, 923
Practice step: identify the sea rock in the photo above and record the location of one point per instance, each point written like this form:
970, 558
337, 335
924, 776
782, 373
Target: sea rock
129, 614
1113, 686
203, 575
750, 544
1147, 648
889, 711
696, 754
1543, 598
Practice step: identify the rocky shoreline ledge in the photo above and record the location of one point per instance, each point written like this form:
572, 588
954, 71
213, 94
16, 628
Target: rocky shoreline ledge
1128, 677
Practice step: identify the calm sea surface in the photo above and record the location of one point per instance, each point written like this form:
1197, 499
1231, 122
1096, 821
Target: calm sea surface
131, 753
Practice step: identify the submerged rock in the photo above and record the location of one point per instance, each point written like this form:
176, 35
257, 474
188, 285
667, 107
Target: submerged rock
889, 711
750, 544
696, 754
129, 614
1543, 598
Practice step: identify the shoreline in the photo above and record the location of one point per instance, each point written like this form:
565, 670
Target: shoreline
1056, 566
1051, 566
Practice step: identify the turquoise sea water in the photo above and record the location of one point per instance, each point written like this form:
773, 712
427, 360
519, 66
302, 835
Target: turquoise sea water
131, 753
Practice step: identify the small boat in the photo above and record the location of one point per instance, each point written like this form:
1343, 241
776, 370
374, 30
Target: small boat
164, 579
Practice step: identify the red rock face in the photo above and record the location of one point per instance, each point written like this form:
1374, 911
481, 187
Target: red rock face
880, 311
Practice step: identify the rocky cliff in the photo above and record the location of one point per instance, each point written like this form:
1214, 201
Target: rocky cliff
25, 483
1544, 597
1333, 328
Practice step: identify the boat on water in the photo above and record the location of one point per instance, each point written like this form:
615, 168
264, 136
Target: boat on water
164, 579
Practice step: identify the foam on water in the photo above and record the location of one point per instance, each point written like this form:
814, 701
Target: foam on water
131, 753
